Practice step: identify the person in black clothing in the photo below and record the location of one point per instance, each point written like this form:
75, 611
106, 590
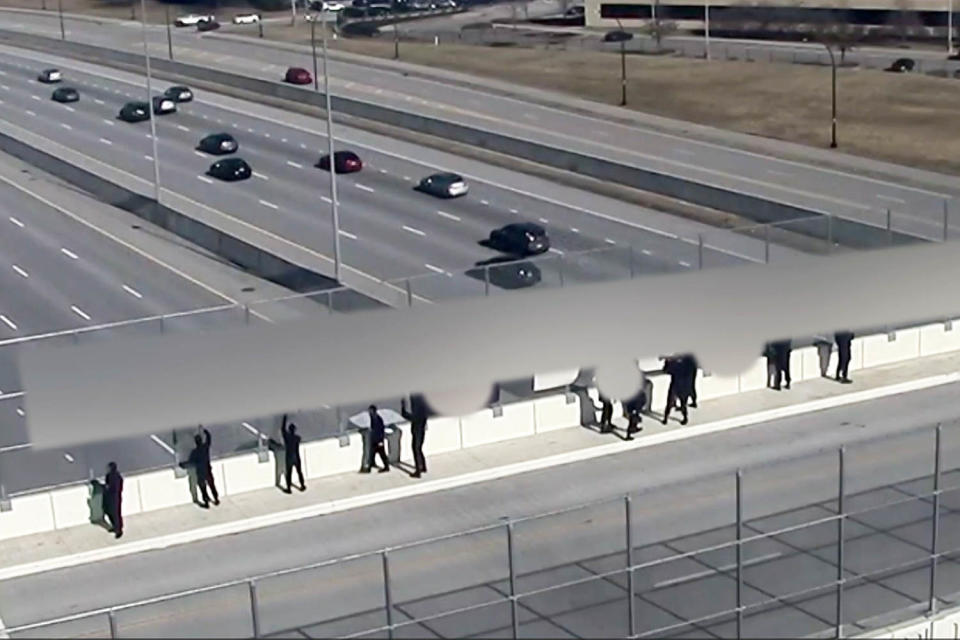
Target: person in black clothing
688, 368
606, 414
378, 432
113, 499
417, 415
291, 453
679, 389
200, 460
771, 355
781, 358
632, 409
844, 341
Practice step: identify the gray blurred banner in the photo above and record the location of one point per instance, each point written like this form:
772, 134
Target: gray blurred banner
455, 351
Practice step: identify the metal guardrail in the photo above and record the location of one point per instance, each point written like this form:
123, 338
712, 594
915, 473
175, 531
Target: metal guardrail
509, 593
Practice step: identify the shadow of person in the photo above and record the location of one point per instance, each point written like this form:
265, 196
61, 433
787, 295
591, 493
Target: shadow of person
192, 484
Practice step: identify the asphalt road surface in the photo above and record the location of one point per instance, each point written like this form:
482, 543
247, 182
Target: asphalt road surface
388, 229
683, 500
811, 186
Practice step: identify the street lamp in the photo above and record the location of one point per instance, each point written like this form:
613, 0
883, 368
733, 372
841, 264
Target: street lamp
706, 29
833, 109
153, 115
166, 13
333, 165
622, 37
63, 33
313, 47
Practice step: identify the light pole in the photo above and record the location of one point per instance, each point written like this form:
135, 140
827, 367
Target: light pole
333, 165
63, 32
706, 30
313, 47
833, 108
153, 116
622, 37
293, 12
396, 42
949, 27
166, 13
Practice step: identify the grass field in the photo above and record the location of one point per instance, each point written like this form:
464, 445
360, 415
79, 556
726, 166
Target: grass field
909, 119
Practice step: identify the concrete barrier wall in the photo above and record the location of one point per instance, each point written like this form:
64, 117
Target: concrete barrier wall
716, 196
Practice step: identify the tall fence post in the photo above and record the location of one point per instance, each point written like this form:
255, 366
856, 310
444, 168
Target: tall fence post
330, 300
486, 280
409, 293
112, 618
631, 610
935, 534
246, 314
387, 593
514, 614
946, 220
739, 553
766, 244
841, 511
889, 228
830, 233
632, 267
699, 251
254, 608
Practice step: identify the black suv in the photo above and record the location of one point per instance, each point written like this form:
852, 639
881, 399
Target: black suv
134, 112
520, 238
65, 94
901, 65
179, 94
218, 144
230, 169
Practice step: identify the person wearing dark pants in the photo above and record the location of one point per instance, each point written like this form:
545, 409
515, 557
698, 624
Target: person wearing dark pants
679, 391
770, 353
417, 415
113, 499
291, 454
781, 357
606, 414
632, 409
378, 432
844, 342
688, 368
200, 460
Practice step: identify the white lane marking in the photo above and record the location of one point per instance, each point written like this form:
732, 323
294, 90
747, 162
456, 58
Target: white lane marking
296, 165
109, 122
205, 179
68, 253
646, 252
105, 141
347, 234
710, 572
132, 291
891, 198
260, 175
2, 73
364, 187
574, 230
98, 101
183, 128
20, 412
163, 444
407, 178
30, 113
484, 202
448, 216
413, 231
69, 458
544, 220
557, 251
303, 146
69, 108
249, 130
609, 241
197, 153
235, 125
35, 97
147, 157
65, 126
20, 271
266, 135
7, 321
269, 204
80, 312
5, 87
514, 211
382, 170
684, 264
283, 140
777, 173
435, 269
16, 222
148, 136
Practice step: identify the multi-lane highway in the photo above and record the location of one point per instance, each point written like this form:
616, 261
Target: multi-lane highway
671, 516
388, 229
917, 197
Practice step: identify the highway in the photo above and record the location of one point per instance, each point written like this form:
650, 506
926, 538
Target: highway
817, 186
680, 504
388, 230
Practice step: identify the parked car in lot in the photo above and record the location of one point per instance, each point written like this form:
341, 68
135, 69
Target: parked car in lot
297, 75
179, 93
65, 94
246, 18
343, 162
507, 273
192, 19
218, 144
520, 238
208, 25
230, 169
134, 112
163, 105
50, 76
901, 65
443, 185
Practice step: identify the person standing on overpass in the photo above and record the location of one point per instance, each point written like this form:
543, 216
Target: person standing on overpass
113, 499
200, 460
417, 415
679, 389
781, 358
688, 368
844, 343
291, 454
378, 432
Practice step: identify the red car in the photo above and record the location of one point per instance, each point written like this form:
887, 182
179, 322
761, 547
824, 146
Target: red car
343, 162
298, 75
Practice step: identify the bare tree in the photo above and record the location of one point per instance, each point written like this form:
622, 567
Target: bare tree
836, 30
657, 27
905, 20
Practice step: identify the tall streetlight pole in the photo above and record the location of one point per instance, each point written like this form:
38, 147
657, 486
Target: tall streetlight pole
333, 165
706, 29
293, 12
622, 37
950, 27
63, 32
833, 108
313, 47
153, 116
166, 13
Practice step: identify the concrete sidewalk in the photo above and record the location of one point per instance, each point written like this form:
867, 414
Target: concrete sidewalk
189, 523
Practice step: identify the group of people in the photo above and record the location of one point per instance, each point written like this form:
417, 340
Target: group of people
778, 360
417, 413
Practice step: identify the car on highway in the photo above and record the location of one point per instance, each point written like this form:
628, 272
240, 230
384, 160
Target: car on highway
343, 162
444, 4
230, 169
163, 105
218, 144
179, 93
192, 19
520, 238
574, 12
50, 76
443, 185
134, 112
65, 94
297, 75
901, 65
208, 25
507, 273
246, 18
